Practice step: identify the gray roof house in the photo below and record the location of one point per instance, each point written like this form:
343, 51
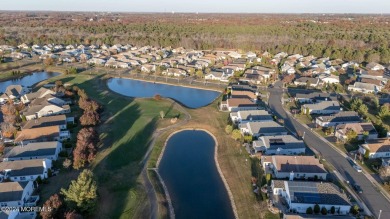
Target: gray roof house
314, 97
301, 195
24, 170
342, 117
59, 120
38, 150
257, 129
250, 116
364, 87
281, 144
17, 194
324, 107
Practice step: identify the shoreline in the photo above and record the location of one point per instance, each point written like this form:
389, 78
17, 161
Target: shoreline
167, 83
230, 194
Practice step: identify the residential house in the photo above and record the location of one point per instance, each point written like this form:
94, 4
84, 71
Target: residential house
59, 120
304, 81
375, 148
38, 111
264, 128
244, 94
324, 107
42, 92
329, 79
49, 133
148, 68
235, 55
214, 75
374, 66
25, 170
177, 72
301, 195
364, 88
17, 194
13, 92
294, 167
238, 104
38, 150
250, 116
345, 117
314, 97
280, 143
364, 131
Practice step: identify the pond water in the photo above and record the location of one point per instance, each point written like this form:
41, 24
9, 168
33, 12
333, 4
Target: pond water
190, 97
27, 80
191, 176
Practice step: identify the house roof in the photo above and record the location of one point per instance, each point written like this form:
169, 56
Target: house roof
11, 191
377, 145
23, 167
322, 193
344, 116
243, 94
359, 128
265, 127
307, 79
45, 122
324, 105
254, 115
297, 164
240, 102
33, 149
371, 81
38, 133
316, 96
279, 141
372, 65
13, 90
365, 86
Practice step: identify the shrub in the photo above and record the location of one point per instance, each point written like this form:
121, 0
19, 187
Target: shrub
228, 129
63, 154
157, 97
309, 210
332, 210
324, 211
317, 209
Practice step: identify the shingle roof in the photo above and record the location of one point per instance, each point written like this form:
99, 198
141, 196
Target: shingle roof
45, 121
297, 164
38, 133
279, 141
359, 128
240, 102
344, 116
324, 105
33, 149
254, 115
23, 167
378, 145
265, 127
11, 191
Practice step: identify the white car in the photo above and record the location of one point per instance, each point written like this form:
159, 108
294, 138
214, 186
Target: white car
357, 168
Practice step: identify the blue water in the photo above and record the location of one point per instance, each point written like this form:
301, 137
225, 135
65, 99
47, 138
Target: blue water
27, 80
191, 176
190, 97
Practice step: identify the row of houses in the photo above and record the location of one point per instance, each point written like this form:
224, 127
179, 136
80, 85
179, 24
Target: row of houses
38, 144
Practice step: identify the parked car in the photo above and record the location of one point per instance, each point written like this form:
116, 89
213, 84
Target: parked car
357, 188
357, 168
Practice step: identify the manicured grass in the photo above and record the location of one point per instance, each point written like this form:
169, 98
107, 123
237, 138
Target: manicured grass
125, 137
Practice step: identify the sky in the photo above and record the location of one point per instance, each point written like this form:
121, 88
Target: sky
202, 6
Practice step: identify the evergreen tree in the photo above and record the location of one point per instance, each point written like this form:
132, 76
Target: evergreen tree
82, 192
317, 209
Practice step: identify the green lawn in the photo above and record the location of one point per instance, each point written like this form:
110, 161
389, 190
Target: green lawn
125, 137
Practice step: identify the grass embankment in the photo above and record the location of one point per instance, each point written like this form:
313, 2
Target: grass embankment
125, 134
232, 158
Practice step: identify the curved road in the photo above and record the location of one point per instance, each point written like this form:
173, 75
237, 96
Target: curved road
373, 199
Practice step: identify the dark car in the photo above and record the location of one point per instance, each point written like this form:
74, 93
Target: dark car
357, 188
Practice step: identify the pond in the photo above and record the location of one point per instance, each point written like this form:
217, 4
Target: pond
191, 176
27, 80
190, 97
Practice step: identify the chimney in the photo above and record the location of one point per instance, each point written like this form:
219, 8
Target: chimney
291, 176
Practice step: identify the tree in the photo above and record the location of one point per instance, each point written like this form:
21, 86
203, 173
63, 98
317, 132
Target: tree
324, 211
67, 163
351, 135
82, 192
384, 112
287, 79
72, 215
2, 147
354, 209
384, 173
317, 209
88, 105
8, 130
332, 210
236, 134
199, 74
48, 61
85, 150
229, 129
309, 210
162, 114
52, 206
90, 118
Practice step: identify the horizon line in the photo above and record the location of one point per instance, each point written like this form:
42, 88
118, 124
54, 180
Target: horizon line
181, 12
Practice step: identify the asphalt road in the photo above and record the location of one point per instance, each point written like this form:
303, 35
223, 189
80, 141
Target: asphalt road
374, 200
